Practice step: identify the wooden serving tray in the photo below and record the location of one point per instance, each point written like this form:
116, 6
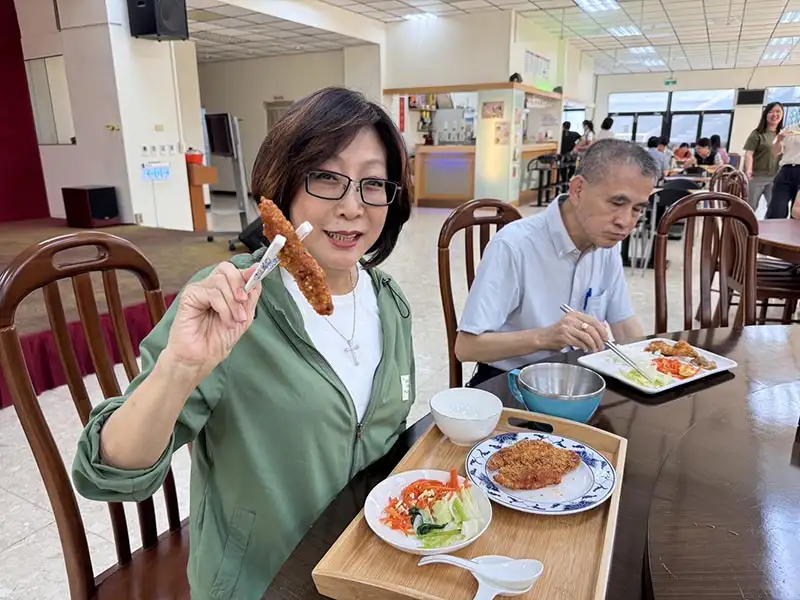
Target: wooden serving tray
575, 549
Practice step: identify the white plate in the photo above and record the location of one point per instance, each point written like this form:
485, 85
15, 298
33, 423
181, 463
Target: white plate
588, 486
607, 363
392, 487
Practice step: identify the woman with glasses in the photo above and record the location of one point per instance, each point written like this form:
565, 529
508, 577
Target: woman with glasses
283, 409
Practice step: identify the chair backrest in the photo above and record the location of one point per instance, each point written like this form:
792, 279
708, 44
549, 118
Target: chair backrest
729, 180
36, 268
735, 159
482, 214
729, 235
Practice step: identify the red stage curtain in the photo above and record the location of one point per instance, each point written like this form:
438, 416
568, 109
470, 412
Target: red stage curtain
22, 190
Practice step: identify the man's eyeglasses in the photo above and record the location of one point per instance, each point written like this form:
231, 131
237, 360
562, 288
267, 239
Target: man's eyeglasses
328, 185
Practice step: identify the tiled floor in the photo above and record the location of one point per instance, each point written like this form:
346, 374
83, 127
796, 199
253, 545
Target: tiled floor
30, 554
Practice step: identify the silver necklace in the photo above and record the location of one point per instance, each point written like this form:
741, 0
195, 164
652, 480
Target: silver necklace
351, 347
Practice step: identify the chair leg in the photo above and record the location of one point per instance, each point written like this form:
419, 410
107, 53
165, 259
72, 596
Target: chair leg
762, 314
788, 311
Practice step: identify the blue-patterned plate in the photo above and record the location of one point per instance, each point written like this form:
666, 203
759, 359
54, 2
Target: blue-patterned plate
583, 489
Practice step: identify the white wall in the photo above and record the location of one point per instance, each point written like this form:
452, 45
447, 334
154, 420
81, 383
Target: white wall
449, 51
529, 36
98, 157
578, 74
745, 118
123, 97
362, 70
241, 87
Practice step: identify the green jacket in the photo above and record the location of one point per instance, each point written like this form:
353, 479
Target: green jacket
275, 439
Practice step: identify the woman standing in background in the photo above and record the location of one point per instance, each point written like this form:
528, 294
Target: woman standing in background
587, 139
760, 163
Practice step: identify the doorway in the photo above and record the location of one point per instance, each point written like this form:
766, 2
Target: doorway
276, 111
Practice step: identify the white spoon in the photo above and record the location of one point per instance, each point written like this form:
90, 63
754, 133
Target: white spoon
513, 573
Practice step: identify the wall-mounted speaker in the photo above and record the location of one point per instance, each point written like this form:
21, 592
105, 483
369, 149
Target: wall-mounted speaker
160, 20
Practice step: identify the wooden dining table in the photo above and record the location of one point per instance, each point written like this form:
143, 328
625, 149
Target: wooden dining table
710, 501
780, 238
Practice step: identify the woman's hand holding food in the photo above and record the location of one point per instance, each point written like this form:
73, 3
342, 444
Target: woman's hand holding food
212, 316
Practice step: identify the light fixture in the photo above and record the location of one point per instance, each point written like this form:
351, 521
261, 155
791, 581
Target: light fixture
624, 31
775, 55
653, 62
791, 17
592, 6
642, 50
784, 41
421, 16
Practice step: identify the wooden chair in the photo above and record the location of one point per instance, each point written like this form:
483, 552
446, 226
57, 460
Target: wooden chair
731, 221
157, 571
465, 218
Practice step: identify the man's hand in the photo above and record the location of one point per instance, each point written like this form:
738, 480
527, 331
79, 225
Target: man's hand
579, 331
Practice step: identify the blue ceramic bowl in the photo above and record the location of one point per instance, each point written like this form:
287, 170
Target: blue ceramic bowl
558, 389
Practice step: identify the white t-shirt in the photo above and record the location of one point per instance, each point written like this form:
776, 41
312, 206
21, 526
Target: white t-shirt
791, 147
362, 305
604, 134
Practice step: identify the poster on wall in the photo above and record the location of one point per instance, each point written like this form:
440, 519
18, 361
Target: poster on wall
502, 133
493, 110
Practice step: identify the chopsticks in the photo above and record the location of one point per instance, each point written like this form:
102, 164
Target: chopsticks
615, 349
270, 259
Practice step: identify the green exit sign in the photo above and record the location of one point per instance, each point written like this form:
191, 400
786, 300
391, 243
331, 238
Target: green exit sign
669, 82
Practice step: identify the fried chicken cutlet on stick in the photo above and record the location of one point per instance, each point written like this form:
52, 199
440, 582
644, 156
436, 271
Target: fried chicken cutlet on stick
296, 259
532, 464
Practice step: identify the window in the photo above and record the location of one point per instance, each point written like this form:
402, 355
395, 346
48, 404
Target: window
784, 95
702, 100
575, 116
637, 102
52, 111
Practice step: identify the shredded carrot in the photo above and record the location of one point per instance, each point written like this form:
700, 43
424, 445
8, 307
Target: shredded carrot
420, 494
675, 367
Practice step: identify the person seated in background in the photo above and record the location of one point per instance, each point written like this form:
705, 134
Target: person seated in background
704, 155
716, 146
567, 254
683, 152
655, 149
605, 132
663, 146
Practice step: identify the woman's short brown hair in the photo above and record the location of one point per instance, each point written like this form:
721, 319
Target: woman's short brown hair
316, 129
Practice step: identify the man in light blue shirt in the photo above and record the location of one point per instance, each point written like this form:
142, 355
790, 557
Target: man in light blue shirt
566, 254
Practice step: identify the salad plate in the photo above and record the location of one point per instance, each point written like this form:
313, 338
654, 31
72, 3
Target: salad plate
670, 363
582, 489
427, 511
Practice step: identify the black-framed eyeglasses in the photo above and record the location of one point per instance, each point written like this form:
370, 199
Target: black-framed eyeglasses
329, 185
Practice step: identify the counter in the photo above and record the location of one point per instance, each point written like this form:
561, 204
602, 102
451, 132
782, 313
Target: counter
444, 176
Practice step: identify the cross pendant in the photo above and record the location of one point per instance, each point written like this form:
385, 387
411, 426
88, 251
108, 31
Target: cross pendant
351, 348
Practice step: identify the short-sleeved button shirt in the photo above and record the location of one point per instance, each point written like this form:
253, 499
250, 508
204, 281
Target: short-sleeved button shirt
529, 269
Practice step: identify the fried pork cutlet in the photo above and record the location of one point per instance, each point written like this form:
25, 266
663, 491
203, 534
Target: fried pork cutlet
296, 259
532, 464
684, 349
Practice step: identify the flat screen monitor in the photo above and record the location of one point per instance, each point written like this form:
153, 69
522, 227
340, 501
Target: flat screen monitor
220, 140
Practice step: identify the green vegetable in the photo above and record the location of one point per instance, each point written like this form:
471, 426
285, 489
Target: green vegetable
449, 521
426, 528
